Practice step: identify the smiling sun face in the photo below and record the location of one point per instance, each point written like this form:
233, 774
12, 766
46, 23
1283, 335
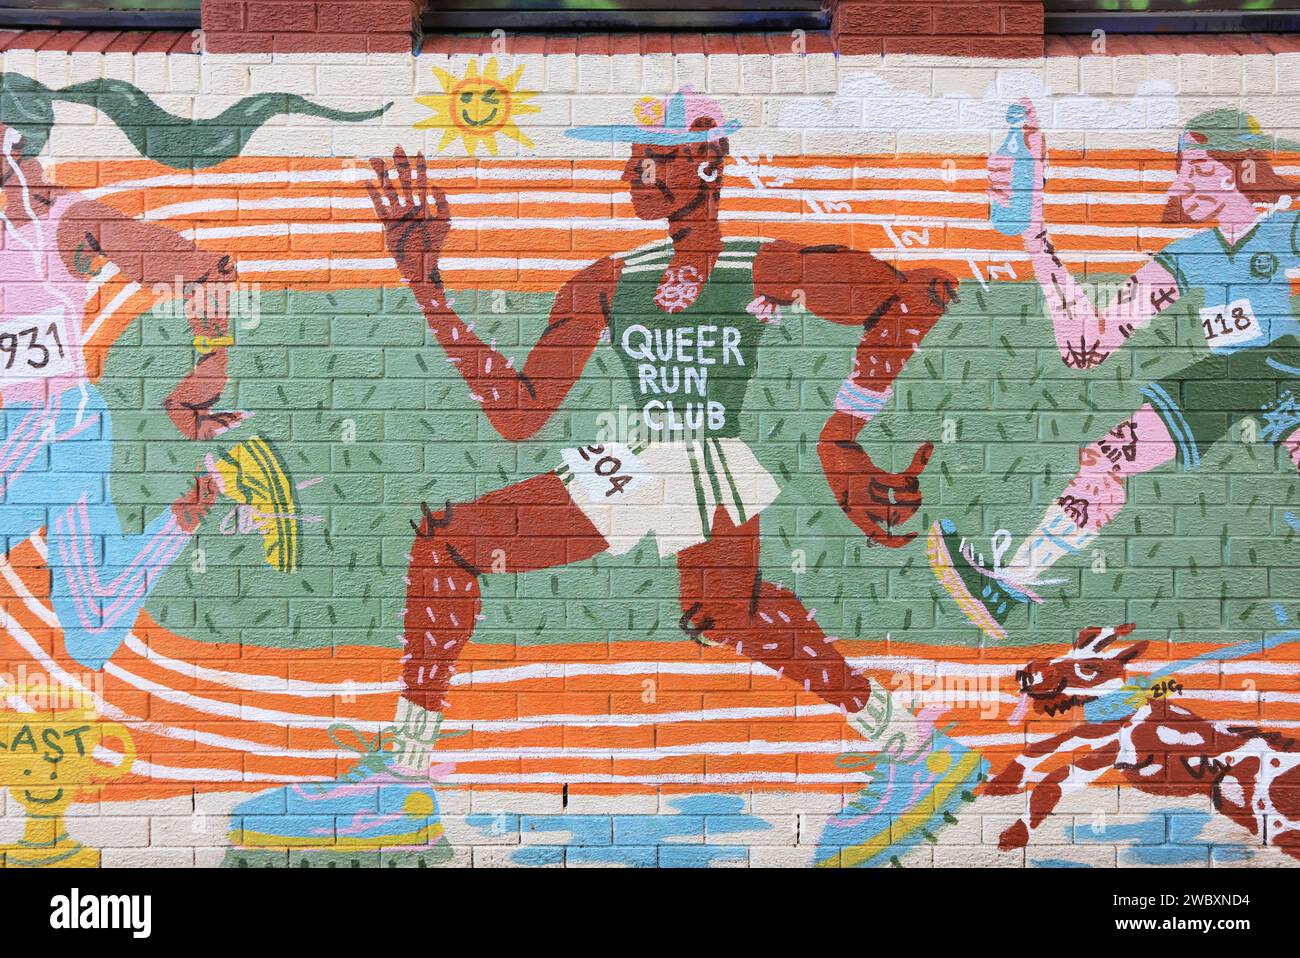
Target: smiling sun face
477, 107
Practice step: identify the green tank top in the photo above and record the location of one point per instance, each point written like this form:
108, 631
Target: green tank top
688, 371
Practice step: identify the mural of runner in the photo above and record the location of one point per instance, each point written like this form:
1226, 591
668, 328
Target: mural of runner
1234, 272
617, 419
57, 435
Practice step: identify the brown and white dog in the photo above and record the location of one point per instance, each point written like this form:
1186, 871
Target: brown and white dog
1251, 776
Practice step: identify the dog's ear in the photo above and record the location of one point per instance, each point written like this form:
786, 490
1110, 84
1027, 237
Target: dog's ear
1086, 637
1132, 652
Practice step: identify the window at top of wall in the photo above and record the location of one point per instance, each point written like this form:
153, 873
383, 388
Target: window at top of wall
93, 14
624, 15
1173, 16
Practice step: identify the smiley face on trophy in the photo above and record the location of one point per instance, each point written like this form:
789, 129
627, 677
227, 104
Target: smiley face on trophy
47, 760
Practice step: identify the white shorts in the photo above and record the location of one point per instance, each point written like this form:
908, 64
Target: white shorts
671, 489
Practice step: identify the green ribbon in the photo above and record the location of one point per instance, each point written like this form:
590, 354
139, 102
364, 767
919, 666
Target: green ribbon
27, 105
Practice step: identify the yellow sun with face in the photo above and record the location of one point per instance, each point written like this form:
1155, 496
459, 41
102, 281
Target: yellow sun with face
477, 107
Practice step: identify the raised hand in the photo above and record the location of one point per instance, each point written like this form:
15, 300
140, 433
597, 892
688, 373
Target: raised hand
415, 216
876, 501
1000, 166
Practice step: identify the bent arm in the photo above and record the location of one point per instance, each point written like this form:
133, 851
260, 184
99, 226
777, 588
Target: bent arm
895, 311
150, 254
520, 402
1085, 334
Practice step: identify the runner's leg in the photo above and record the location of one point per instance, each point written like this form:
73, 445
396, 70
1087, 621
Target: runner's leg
531, 525
1095, 496
100, 576
725, 599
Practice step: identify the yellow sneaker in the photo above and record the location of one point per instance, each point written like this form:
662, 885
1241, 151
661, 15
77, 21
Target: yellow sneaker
254, 475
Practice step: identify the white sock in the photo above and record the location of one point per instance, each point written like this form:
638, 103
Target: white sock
1056, 537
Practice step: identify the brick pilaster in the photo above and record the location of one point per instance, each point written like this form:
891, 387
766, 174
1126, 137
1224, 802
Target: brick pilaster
309, 26
961, 28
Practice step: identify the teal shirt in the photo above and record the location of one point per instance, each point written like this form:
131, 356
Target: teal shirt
1247, 294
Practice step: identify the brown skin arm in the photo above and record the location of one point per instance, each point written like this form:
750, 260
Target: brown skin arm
91, 233
895, 311
416, 219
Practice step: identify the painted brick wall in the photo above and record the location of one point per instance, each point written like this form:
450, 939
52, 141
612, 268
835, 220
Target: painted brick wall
341, 527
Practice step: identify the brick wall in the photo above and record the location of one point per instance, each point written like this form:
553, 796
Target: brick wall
303, 26
949, 29
332, 535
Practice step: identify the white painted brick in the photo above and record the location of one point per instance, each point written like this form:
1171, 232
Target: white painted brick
1130, 74
821, 73
788, 74
184, 74
755, 73
86, 66
464, 830
357, 81
691, 69
593, 74
485, 856
529, 803
768, 803
1226, 75
171, 831
1193, 73
1097, 75
110, 830
150, 71
657, 73
977, 856
283, 78
625, 73
52, 68
776, 857
1094, 856
1062, 76
1052, 830
633, 803
147, 857
961, 81
1258, 74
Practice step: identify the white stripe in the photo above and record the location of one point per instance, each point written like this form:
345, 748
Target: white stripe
633, 720
720, 264
126, 292
96, 282
251, 713
699, 779
171, 773
249, 682
261, 229
520, 673
39, 655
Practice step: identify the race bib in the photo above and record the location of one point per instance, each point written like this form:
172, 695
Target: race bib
607, 472
33, 348
1231, 326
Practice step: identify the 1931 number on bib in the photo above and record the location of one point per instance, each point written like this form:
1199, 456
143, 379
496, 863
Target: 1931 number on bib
34, 347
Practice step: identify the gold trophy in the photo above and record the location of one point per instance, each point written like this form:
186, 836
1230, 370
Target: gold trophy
47, 759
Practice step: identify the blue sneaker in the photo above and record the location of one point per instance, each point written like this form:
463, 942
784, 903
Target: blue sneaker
908, 799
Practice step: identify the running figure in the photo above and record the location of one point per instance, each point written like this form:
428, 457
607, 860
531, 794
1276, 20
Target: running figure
1235, 274
55, 434
685, 317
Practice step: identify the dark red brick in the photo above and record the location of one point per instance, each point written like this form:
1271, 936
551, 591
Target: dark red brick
281, 17
223, 16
